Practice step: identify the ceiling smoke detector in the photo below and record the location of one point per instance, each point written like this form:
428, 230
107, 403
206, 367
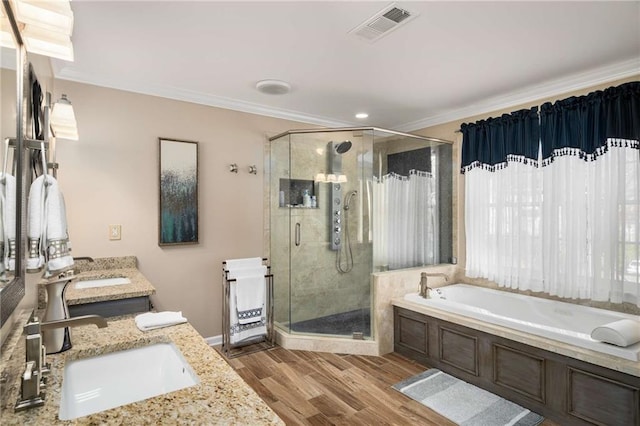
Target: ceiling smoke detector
273, 87
382, 23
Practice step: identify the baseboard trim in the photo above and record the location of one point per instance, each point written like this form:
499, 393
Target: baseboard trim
214, 340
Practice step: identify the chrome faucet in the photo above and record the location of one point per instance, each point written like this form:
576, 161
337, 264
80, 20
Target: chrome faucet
424, 288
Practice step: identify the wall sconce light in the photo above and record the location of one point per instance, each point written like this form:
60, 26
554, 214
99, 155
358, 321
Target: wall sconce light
233, 168
45, 26
63, 120
253, 170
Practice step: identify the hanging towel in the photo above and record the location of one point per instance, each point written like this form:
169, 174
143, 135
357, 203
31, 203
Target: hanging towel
35, 211
239, 332
57, 236
248, 262
8, 189
47, 234
153, 320
250, 293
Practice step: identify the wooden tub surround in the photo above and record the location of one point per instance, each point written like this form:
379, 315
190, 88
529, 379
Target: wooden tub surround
564, 389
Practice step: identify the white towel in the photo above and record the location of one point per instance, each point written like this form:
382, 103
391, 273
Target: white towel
35, 211
58, 245
153, 320
8, 189
248, 262
48, 238
623, 333
250, 293
239, 332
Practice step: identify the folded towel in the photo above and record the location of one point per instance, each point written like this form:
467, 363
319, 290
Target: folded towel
250, 293
8, 190
153, 320
248, 262
623, 333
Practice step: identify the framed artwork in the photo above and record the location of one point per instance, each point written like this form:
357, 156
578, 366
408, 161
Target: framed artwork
178, 221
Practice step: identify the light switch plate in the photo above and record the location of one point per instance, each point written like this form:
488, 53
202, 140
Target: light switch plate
115, 232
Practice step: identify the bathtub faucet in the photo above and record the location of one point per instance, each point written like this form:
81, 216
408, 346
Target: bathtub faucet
424, 288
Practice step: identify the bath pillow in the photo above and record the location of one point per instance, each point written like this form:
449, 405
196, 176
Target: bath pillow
623, 333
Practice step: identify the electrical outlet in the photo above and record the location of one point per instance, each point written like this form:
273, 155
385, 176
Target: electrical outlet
115, 232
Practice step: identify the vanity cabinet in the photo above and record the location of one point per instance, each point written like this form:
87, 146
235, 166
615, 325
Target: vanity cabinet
564, 389
112, 308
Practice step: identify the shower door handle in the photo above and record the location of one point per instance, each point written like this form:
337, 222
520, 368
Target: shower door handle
297, 234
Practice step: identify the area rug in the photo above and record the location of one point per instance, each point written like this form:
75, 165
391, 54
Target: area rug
464, 403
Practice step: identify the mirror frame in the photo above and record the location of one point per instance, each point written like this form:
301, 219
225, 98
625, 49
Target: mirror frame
12, 293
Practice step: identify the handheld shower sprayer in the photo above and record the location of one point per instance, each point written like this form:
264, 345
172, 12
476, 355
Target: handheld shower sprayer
347, 201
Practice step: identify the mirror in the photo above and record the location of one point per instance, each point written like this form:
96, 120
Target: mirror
13, 111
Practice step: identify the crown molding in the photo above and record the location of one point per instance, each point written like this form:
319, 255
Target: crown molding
546, 90
199, 98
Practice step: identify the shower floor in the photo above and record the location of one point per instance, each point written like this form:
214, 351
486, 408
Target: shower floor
342, 324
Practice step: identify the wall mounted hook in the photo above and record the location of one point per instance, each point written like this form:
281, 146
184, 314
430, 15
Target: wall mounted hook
233, 168
253, 170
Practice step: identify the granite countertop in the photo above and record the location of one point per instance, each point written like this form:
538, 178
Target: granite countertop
221, 397
103, 268
593, 357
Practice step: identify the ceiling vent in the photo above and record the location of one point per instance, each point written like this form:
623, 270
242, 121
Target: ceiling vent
382, 23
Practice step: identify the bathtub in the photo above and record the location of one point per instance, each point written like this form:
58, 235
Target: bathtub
563, 322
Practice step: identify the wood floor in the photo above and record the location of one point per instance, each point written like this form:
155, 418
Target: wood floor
315, 388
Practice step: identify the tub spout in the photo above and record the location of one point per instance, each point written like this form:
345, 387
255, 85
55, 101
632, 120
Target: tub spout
424, 287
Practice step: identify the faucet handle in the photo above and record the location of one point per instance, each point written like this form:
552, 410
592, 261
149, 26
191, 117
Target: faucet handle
30, 388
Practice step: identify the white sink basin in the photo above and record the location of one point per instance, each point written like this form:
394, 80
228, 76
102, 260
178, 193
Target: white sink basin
102, 282
95, 384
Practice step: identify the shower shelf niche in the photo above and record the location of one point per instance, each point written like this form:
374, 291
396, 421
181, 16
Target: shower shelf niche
291, 191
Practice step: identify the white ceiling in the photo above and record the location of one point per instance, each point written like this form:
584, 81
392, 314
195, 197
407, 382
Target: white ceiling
454, 60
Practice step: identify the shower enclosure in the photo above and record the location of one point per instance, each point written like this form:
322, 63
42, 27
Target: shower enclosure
344, 203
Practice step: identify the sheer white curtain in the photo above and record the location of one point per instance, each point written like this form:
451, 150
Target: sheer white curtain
570, 228
590, 222
404, 221
503, 215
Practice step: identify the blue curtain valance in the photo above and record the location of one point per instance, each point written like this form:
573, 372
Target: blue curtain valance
584, 125
490, 143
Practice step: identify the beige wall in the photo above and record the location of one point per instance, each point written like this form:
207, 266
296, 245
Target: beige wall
448, 131
110, 176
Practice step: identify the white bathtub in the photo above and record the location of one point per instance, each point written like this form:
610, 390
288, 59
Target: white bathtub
564, 322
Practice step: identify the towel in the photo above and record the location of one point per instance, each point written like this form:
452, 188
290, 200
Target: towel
35, 212
48, 238
239, 332
250, 293
246, 319
248, 262
8, 190
153, 320
58, 246
623, 333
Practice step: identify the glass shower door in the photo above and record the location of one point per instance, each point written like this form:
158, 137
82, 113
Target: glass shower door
330, 264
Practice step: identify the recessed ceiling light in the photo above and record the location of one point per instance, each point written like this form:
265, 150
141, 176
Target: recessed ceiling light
362, 115
273, 87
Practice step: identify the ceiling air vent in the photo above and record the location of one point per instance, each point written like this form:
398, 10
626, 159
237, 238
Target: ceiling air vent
382, 23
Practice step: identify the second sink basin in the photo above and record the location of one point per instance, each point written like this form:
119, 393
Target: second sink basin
102, 282
95, 384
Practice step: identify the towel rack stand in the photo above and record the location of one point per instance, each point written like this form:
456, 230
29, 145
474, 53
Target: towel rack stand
253, 344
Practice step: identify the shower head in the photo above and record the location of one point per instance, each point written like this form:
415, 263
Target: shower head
342, 147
